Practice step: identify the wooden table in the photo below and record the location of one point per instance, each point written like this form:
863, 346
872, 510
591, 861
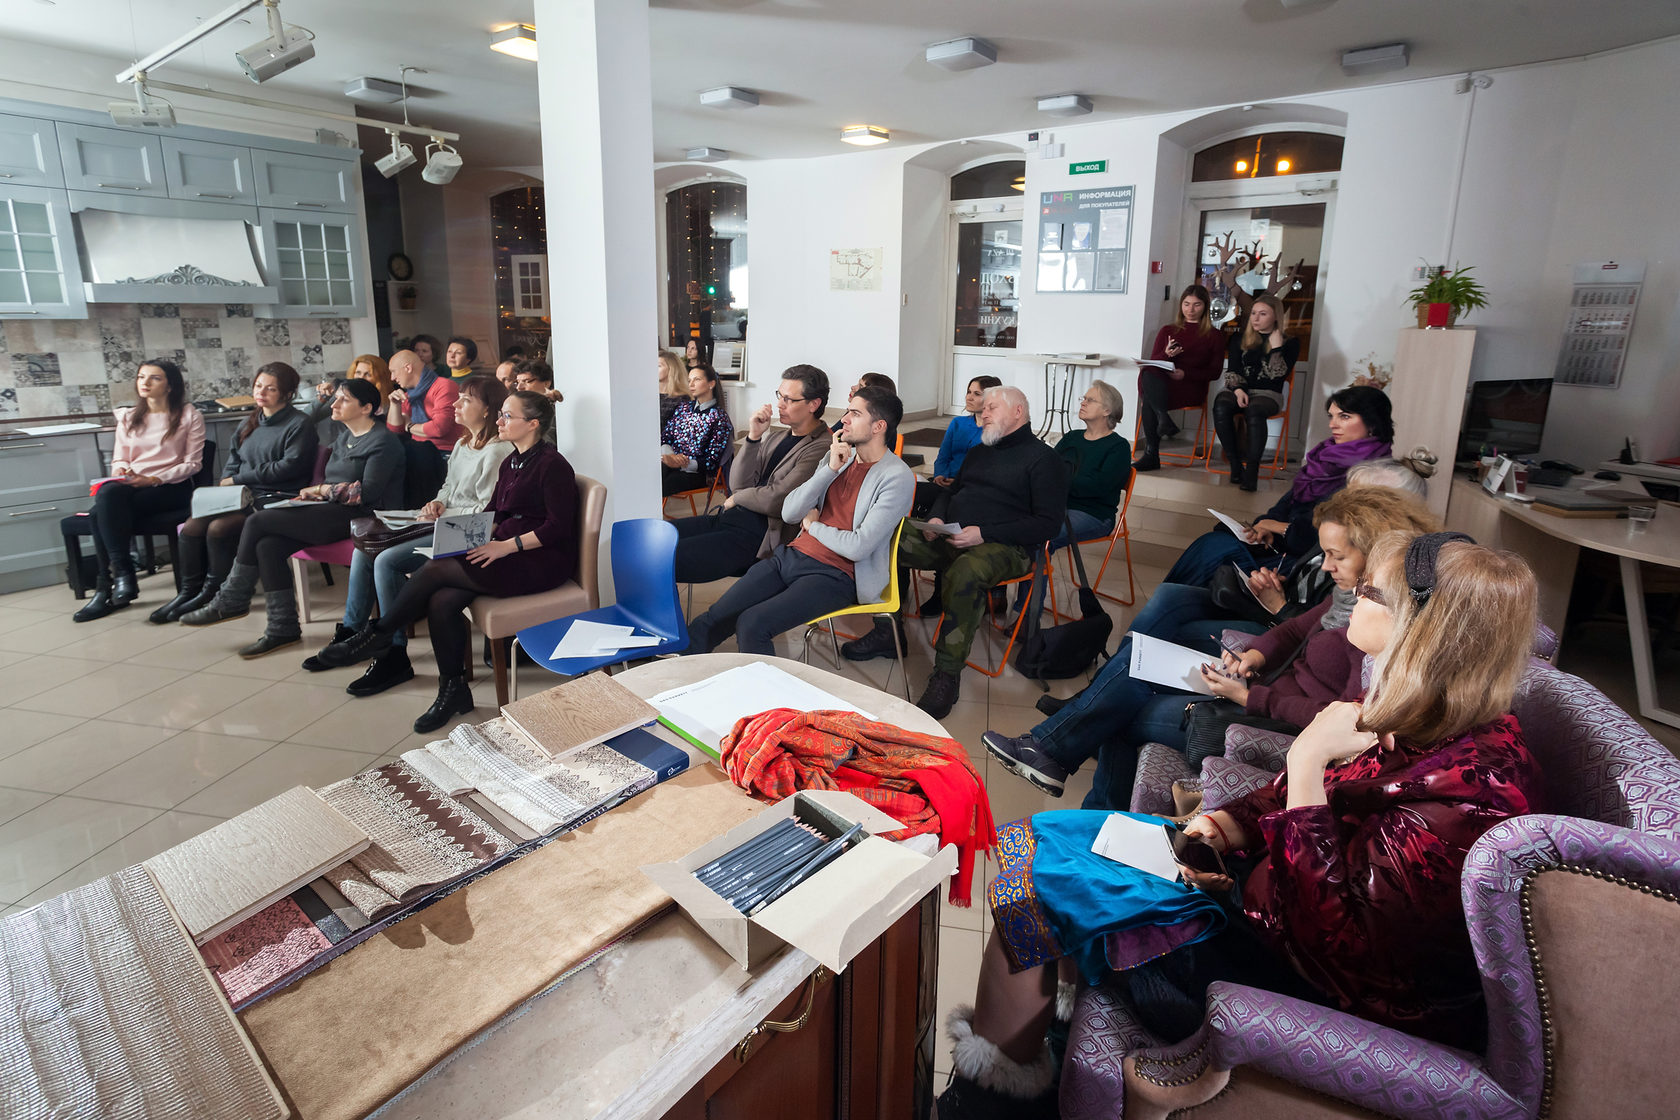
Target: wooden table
648, 1028
1552, 546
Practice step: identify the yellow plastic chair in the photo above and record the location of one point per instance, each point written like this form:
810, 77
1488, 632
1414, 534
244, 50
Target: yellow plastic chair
887, 608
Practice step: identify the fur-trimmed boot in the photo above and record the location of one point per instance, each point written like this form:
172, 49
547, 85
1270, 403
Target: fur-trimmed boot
987, 1083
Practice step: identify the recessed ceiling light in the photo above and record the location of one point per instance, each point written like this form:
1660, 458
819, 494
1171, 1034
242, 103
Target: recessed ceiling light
377, 91
864, 135
1376, 60
706, 155
961, 54
1066, 105
728, 97
520, 41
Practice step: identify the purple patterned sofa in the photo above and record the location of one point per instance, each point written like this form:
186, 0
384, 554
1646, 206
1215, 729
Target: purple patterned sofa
1570, 1028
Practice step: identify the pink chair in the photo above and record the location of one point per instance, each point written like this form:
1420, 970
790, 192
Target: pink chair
338, 552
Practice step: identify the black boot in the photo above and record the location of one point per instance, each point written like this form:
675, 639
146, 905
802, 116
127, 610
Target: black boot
341, 633
1150, 460
986, 1083
454, 698
232, 597
125, 588
388, 670
191, 559
100, 605
369, 641
206, 593
941, 692
282, 629
877, 643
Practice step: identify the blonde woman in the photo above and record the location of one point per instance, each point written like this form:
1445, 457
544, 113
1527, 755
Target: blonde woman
1257, 367
673, 379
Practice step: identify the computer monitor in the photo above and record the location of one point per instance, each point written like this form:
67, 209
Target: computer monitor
1508, 415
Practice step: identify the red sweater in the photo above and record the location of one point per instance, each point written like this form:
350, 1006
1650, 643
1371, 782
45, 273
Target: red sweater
1329, 669
1202, 360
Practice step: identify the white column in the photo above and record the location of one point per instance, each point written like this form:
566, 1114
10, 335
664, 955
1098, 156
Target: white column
594, 81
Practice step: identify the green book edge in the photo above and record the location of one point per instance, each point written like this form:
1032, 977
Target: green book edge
713, 751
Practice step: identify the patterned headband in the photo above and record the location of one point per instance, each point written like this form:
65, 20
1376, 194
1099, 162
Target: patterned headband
1421, 555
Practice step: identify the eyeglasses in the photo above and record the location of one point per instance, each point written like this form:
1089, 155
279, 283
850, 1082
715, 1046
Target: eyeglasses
506, 415
790, 400
1367, 590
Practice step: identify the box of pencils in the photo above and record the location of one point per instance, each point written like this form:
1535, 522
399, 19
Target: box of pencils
810, 871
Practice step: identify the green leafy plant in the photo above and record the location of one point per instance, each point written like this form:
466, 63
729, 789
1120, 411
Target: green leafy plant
1456, 288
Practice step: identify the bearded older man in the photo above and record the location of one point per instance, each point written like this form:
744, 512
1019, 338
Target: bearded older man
1008, 499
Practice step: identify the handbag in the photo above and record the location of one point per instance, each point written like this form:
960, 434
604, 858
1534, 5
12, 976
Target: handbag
1058, 652
373, 536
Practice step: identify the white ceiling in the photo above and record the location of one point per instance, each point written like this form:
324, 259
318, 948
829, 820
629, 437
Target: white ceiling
821, 64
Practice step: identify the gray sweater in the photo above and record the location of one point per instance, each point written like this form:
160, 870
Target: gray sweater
278, 457
883, 501
376, 459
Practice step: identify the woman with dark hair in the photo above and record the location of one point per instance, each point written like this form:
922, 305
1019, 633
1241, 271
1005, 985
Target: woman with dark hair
534, 548
474, 468
1259, 361
273, 456
364, 473
459, 355
429, 350
694, 439
1195, 347
1361, 427
533, 375
159, 448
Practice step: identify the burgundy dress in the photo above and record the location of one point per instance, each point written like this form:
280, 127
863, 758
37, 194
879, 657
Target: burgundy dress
535, 492
1361, 895
1202, 360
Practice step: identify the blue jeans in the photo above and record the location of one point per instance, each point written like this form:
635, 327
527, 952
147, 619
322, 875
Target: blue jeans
1197, 563
381, 576
1159, 720
1085, 527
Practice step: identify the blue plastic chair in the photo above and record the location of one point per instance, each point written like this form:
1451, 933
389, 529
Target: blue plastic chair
644, 567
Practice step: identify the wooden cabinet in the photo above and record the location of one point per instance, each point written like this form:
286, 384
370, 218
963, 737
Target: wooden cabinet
1431, 371
111, 159
196, 169
29, 153
40, 271
316, 261
288, 179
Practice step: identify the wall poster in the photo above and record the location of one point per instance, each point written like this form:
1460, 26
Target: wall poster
855, 270
1085, 240
1595, 336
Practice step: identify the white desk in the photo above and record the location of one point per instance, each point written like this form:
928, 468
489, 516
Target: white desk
1552, 546
629, 1034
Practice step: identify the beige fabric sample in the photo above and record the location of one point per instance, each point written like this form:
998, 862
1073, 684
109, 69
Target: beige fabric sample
440, 976
108, 1011
582, 711
227, 873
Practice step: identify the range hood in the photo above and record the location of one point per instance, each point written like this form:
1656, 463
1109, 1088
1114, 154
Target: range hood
154, 258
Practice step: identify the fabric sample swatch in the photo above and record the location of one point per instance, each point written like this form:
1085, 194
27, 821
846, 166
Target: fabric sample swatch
264, 947
106, 1010
583, 711
422, 837
332, 926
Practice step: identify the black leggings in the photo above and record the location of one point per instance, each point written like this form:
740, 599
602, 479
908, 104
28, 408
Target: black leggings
212, 538
1152, 392
439, 592
271, 536
1259, 410
118, 506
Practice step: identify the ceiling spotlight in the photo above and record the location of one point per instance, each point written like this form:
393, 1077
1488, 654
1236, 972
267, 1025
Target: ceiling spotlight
378, 91
961, 54
520, 41
401, 156
706, 155
284, 48
1283, 165
1376, 60
1242, 165
442, 162
864, 135
728, 97
1066, 105
144, 111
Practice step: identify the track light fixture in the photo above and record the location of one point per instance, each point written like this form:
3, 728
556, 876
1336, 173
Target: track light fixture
401, 157
144, 111
284, 48
442, 162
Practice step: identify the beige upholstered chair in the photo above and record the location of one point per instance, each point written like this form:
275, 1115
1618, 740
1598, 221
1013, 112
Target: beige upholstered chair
503, 618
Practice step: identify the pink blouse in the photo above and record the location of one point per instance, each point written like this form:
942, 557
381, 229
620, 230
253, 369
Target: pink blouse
173, 458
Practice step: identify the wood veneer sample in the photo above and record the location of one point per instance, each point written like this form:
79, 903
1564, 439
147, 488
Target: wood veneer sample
224, 875
109, 1011
579, 713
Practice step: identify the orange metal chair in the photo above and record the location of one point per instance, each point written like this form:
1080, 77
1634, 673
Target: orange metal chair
1013, 631
1201, 448
1120, 532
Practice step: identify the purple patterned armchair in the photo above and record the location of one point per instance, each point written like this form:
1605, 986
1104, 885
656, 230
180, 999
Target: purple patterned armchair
1573, 1031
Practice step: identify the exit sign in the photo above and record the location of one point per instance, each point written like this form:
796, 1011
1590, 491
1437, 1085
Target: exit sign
1089, 167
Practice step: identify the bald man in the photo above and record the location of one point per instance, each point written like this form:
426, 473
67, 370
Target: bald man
423, 404
1009, 498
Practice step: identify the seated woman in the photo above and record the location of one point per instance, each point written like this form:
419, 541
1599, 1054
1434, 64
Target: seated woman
474, 468
1099, 463
273, 455
673, 381
1361, 427
1195, 347
1258, 364
159, 447
694, 439
535, 548
459, 355
364, 473
1117, 714
1346, 867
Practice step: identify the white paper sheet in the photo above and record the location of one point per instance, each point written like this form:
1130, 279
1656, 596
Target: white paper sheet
586, 638
944, 529
1153, 363
1231, 523
1137, 844
1165, 663
55, 429
708, 709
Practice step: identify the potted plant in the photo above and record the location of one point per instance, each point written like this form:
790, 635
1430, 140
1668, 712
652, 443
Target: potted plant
1446, 296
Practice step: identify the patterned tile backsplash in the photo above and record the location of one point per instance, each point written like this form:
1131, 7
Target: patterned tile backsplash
65, 367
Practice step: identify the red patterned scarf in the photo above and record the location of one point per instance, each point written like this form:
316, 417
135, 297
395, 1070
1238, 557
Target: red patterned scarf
922, 780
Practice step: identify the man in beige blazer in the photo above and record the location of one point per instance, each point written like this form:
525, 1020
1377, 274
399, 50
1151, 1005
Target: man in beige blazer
771, 464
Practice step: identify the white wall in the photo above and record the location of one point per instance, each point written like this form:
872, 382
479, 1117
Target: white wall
923, 341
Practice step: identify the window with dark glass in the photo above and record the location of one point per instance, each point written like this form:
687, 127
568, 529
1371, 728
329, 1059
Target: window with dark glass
519, 241
988, 278
1268, 155
706, 257
1004, 179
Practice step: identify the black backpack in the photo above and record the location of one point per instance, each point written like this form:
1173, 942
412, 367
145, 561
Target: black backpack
426, 468
1058, 652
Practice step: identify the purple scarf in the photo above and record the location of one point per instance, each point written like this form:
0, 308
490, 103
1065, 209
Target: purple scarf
1325, 467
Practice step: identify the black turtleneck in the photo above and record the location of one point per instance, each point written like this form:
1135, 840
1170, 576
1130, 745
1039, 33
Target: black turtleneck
1014, 490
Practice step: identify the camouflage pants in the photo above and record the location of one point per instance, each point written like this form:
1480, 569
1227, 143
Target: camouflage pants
968, 574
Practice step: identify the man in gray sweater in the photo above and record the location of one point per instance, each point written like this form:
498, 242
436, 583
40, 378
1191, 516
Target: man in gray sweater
849, 510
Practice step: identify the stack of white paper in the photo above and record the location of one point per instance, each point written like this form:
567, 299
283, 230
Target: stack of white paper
707, 710
584, 638
1164, 663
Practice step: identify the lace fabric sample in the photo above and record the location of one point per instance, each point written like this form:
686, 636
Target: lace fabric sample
108, 1011
264, 947
421, 836
543, 793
